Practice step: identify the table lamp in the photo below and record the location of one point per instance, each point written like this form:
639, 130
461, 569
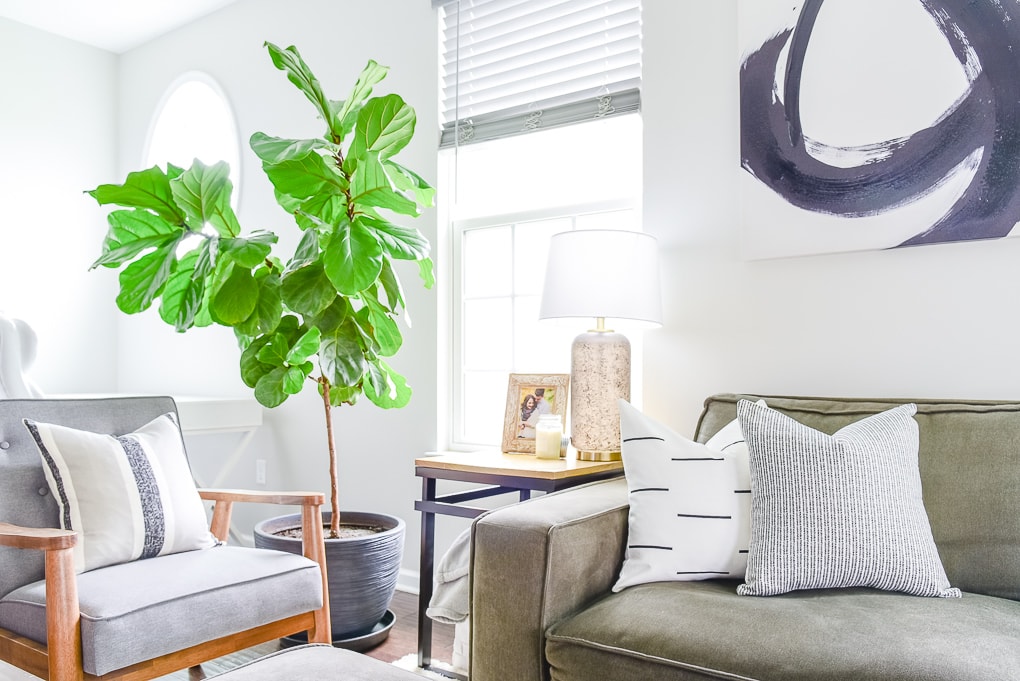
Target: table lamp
601, 274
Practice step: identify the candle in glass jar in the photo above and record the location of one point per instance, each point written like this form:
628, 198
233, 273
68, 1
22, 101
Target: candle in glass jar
548, 435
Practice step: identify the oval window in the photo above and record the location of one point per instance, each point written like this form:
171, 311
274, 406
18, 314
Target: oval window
193, 121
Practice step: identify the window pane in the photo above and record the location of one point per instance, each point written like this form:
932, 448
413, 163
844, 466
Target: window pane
483, 412
557, 167
488, 334
486, 265
531, 250
542, 346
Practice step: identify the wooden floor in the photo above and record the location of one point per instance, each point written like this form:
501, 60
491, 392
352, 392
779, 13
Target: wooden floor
403, 640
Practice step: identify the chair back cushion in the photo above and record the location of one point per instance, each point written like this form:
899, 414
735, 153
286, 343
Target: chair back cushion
25, 497
969, 460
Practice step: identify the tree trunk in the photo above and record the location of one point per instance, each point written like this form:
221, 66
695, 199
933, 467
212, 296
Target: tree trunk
334, 495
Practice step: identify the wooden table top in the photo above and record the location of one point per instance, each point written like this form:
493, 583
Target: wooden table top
496, 462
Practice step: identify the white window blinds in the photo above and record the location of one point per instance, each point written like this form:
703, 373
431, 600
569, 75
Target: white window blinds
513, 66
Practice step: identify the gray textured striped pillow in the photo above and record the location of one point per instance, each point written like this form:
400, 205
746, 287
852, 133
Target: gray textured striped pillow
130, 496
838, 510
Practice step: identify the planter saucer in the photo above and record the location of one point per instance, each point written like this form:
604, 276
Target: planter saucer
379, 633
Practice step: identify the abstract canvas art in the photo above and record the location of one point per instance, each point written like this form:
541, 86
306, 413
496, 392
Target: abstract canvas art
870, 124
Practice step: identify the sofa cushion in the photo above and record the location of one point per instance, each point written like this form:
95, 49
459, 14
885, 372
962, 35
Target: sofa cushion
969, 461
696, 630
838, 510
177, 601
128, 496
689, 512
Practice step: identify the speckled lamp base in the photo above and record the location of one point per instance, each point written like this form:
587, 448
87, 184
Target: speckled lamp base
599, 376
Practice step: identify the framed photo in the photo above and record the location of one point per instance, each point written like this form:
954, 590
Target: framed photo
528, 396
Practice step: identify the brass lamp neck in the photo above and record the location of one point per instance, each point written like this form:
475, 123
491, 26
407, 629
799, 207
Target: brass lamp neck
600, 326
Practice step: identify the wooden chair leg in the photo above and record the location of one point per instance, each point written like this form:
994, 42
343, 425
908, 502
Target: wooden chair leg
314, 549
63, 619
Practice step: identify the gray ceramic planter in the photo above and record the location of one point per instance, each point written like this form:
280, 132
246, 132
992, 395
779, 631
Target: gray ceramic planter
362, 571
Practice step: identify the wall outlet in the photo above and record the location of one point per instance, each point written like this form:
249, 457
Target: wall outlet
260, 471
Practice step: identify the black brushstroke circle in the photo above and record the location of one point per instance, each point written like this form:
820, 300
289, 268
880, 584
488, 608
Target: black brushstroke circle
985, 119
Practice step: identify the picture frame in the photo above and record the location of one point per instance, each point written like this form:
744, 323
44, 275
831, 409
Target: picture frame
528, 396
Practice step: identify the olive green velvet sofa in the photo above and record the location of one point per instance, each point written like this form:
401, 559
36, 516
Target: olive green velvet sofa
542, 572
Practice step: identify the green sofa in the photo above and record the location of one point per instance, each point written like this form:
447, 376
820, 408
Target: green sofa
542, 572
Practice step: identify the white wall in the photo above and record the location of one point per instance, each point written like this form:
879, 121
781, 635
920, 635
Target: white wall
57, 136
933, 321
336, 39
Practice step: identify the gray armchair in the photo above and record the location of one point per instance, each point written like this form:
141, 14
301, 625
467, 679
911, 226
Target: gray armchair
144, 618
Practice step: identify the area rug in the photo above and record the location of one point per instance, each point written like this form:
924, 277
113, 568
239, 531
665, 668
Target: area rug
410, 663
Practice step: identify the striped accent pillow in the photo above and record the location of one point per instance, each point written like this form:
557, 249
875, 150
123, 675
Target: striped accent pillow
840, 510
689, 503
130, 496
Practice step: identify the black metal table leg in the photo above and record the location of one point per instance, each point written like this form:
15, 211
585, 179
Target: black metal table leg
426, 572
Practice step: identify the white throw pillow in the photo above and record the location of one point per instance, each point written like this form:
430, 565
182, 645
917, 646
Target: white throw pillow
838, 510
689, 503
128, 497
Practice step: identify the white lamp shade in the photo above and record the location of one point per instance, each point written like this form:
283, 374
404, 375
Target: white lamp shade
603, 273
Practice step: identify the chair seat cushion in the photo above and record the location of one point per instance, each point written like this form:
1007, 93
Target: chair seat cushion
140, 610
693, 630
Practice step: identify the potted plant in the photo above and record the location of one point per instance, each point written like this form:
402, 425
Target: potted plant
327, 314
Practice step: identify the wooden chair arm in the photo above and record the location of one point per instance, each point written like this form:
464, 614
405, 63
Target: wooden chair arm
63, 619
225, 498
41, 538
263, 497
313, 545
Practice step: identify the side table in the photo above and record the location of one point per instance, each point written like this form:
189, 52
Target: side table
497, 473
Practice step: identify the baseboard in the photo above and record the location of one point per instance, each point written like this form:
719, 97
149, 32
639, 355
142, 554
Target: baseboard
408, 581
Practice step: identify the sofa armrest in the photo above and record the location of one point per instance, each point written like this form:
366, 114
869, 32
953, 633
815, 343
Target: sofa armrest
532, 564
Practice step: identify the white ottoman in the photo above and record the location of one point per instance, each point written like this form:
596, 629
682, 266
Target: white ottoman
316, 663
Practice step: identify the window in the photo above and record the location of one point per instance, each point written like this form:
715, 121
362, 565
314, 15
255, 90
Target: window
512, 196
193, 121
536, 140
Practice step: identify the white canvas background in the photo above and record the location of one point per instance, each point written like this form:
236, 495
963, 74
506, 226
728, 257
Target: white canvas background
875, 70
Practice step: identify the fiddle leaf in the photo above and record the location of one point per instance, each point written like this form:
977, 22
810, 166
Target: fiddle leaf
277, 149
148, 189
203, 192
385, 387
182, 295
304, 347
348, 110
353, 258
131, 232
143, 280
290, 61
236, 298
386, 125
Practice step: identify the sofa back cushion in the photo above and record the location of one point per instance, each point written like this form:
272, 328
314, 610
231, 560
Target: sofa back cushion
25, 498
969, 459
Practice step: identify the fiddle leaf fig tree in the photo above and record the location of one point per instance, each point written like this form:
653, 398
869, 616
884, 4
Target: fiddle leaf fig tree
328, 313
